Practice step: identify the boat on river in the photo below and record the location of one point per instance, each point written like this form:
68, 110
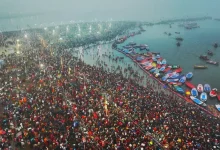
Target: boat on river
200, 88
179, 70
189, 85
212, 62
203, 97
182, 79
194, 92
178, 89
189, 75
172, 80
217, 106
204, 57
207, 88
196, 100
174, 66
213, 92
162, 68
167, 69
200, 67
174, 75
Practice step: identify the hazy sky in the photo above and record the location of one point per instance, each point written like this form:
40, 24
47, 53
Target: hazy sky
149, 10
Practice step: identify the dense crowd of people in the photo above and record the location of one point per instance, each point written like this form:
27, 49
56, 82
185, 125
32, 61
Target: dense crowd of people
56, 101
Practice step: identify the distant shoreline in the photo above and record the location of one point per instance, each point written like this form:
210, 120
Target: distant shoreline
169, 21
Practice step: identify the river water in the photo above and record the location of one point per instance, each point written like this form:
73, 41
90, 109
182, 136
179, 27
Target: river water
195, 43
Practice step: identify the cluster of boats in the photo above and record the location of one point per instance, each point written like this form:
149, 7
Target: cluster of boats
122, 39
132, 45
207, 60
200, 93
171, 76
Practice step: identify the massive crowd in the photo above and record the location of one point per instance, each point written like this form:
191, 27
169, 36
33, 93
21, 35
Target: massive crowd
56, 101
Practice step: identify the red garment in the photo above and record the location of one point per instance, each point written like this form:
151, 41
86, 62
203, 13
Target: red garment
95, 116
90, 133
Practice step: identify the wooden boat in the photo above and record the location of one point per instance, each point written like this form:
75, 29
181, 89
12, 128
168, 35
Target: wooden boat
204, 57
164, 62
164, 78
154, 59
147, 64
174, 75
179, 89
203, 97
147, 55
157, 56
174, 66
144, 63
156, 53
167, 69
200, 88
152, 70
189, 85
160, 59
200, 67
213, 92
212, 62
140, 58
179, 77
158, 66
145, 59
149, 67
175, 83
207, 88
148, 61
194, 92
183, 79
196, 100
169, 72
172, 80
143, 48
162, 68
179, 70
217, 106
136, 46
189, 75
179, 38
